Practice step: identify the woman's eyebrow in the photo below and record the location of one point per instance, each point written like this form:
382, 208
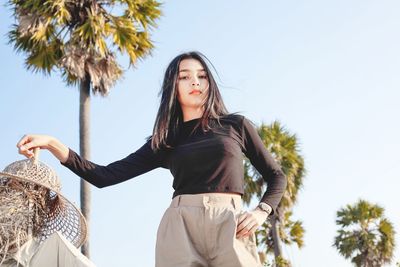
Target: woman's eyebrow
187, 70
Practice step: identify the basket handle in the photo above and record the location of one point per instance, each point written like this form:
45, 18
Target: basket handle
36, 152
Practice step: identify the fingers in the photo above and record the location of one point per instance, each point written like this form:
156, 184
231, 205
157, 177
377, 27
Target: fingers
247, 231
23, 140
247, 225
25, 146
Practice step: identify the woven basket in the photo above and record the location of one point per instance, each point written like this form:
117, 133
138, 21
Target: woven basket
31, 205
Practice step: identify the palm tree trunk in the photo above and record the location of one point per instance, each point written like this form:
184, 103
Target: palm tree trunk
84, 146
275, 237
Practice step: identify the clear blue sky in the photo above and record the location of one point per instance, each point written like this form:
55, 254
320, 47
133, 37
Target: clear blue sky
328, 70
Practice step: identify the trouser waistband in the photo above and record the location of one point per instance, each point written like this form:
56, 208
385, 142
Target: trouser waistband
206, 200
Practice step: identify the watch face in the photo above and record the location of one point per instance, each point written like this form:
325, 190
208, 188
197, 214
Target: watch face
265, 207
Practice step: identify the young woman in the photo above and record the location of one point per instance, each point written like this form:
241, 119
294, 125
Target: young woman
202, 145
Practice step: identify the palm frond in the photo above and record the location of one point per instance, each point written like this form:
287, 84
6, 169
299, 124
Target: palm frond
78, 37
144, 12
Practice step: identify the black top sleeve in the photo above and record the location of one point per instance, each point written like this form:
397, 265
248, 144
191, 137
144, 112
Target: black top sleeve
265, 164
135, 164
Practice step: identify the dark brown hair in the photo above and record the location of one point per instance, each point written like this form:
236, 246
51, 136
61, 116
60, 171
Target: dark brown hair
169, 117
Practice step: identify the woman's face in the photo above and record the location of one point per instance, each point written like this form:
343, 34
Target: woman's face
192, 84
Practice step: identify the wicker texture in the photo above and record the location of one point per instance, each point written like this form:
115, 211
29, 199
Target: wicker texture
31, 205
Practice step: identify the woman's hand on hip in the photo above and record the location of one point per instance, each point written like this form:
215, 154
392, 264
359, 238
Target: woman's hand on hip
248, 222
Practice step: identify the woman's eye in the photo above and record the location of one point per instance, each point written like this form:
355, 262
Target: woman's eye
188, 77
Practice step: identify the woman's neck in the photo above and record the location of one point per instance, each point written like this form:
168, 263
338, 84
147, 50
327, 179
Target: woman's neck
192, 114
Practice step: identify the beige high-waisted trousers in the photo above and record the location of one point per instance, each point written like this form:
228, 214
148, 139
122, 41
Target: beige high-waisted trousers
200, 231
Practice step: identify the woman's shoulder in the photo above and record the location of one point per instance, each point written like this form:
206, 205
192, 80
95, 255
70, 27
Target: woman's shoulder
233, 118
237, 121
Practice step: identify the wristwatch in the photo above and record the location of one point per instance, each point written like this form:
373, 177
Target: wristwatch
265, 207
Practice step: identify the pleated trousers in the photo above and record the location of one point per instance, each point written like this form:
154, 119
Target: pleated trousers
200, 231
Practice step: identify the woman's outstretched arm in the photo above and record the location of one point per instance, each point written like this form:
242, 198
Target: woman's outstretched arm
135, 164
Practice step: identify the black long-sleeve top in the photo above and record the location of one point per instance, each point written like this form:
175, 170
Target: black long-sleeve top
200, 162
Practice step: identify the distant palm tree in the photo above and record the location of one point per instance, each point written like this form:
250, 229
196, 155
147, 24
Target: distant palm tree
365, 235
284, 148
80, 38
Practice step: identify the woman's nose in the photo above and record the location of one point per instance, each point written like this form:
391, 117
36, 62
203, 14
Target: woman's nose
195, 82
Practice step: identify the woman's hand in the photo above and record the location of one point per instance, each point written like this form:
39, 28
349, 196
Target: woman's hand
31, 141
248, 222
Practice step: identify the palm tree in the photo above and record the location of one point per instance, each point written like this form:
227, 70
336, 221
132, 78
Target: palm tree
280, 227
80, 38
365, 235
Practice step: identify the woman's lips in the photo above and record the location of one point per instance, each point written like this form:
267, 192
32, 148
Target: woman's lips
195, 92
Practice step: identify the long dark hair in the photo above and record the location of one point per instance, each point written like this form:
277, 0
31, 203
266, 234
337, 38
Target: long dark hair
170, 117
